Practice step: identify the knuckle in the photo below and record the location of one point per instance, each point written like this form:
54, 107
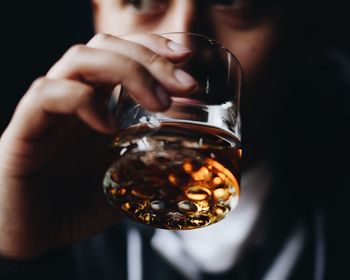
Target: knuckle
75, 50
39, 84
150, 36
156, 40
99, 39
153, 37
37, 90
66, 62
156, 60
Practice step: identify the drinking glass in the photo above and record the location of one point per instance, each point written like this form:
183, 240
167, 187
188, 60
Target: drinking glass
180, 169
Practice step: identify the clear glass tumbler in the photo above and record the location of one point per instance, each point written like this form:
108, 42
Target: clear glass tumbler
180, 169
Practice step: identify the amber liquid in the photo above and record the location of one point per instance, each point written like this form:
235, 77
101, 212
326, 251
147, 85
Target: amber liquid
174, 176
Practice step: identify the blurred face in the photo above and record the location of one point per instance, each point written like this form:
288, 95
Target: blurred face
249, 29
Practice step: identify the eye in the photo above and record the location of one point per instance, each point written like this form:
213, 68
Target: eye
147, 7
238, 13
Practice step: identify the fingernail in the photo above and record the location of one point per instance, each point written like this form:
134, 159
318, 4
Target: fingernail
162, 95
177, 47
184, 78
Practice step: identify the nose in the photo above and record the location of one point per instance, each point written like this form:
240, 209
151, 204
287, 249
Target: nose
187, 16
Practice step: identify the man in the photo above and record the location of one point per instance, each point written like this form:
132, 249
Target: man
50, 193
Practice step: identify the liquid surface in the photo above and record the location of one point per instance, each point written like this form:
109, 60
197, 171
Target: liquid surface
174, 176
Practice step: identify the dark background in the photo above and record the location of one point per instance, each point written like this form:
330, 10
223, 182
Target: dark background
34, 36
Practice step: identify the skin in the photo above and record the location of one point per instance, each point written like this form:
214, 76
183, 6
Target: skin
50, 193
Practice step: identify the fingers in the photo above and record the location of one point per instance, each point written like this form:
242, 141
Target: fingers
160, 45
96, 67
172, 79
77, 83
47, 98
148, 76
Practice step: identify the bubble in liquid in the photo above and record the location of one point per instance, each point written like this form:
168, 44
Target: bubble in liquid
200, 221
163, 157
157, 205
217, 181
222, 194
143, 192
223, 177
145, 216
197, 193
175, 220
187, 166
219, 210
203, 174
172, 179
203, 206
187, 206
126, 206
117, 191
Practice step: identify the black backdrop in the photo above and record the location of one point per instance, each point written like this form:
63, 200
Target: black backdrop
34, 35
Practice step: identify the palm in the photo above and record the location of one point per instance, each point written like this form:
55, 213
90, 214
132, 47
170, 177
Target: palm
66, 182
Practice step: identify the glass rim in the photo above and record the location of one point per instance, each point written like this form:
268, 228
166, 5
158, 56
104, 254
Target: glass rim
211, 40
